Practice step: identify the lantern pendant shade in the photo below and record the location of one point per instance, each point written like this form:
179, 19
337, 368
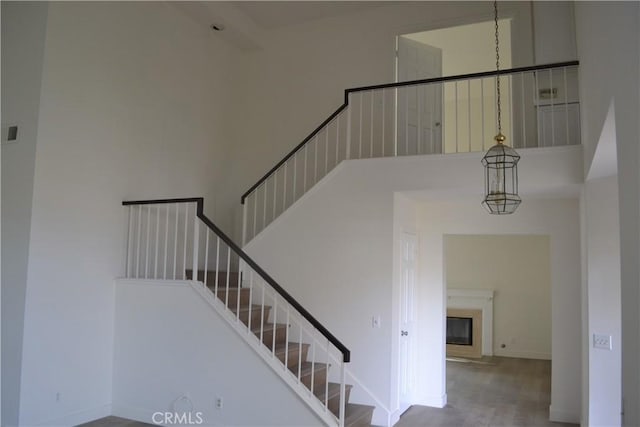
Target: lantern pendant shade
501, 179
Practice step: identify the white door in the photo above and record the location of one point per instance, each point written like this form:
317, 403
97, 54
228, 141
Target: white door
406, 334
419, 108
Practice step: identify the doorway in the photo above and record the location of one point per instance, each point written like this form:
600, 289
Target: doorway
439, 115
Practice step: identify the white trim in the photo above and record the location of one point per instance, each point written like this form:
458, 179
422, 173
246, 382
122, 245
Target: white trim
437, 401
79, 417
522, 354
563, 417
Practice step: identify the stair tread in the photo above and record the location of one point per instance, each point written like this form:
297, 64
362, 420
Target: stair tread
306, 367
267, 327
245, 308
355, 412
281, 348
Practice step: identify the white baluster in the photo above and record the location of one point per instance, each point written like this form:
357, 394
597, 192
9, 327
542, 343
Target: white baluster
226, 295
206, 256
482, 100
244, 220
304, 180
295, 176
146, 247
215, 286
553, 112
284, 188
155, 264
419, 95
469, 111
360, 129
184, 252
166, 242
524, 121
315, 160
337, 139
286, 341
456, 115
129, 242
348, 149
566, 105
326, 149
175, 242
275, 317
371, 127
342, 394
326, 381
196, 245
275, 193
254, 230
384, 153
264, 206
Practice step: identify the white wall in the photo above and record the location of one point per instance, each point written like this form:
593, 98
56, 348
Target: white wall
23, 35
557, 218
517, 269
610, 75
554, 26
335, 255
603, 278
169, 342
132, 106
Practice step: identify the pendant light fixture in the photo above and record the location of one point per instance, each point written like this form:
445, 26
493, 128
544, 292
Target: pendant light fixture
501, 161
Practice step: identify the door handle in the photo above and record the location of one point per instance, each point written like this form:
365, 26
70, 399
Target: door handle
404, 333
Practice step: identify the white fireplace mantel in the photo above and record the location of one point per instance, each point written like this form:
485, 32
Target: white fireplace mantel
478, 299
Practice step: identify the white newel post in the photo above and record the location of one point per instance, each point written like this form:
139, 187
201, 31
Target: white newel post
348, 150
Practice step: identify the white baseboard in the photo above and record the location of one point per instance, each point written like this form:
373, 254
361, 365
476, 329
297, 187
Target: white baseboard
433, 401
79, 417
562, 416
522, 354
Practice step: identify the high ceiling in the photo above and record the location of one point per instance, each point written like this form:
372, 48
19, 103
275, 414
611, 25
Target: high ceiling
274, 14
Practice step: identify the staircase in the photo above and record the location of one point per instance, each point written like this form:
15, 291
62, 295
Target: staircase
274, 337
170, 239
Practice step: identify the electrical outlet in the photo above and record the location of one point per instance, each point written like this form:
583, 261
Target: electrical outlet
602, 341
219, 403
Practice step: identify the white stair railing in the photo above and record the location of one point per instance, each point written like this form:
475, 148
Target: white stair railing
455, 114
173, 240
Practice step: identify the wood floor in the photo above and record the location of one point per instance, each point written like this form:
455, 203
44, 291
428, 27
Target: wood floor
497, 391
114, 422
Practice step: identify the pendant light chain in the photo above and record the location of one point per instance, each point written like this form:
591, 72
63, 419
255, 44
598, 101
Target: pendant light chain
495, 9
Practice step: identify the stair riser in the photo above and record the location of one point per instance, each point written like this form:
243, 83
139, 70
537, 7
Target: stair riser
256, 314
334, 402
233, 296
319, 377
294, 356
267, 336
211, 278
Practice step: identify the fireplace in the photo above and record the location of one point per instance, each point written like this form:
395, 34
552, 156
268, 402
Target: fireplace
464, 333
460, 330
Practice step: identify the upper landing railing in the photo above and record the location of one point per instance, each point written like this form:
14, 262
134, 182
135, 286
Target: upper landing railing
453, 114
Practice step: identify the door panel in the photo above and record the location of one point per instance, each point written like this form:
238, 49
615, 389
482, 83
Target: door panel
419, 112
